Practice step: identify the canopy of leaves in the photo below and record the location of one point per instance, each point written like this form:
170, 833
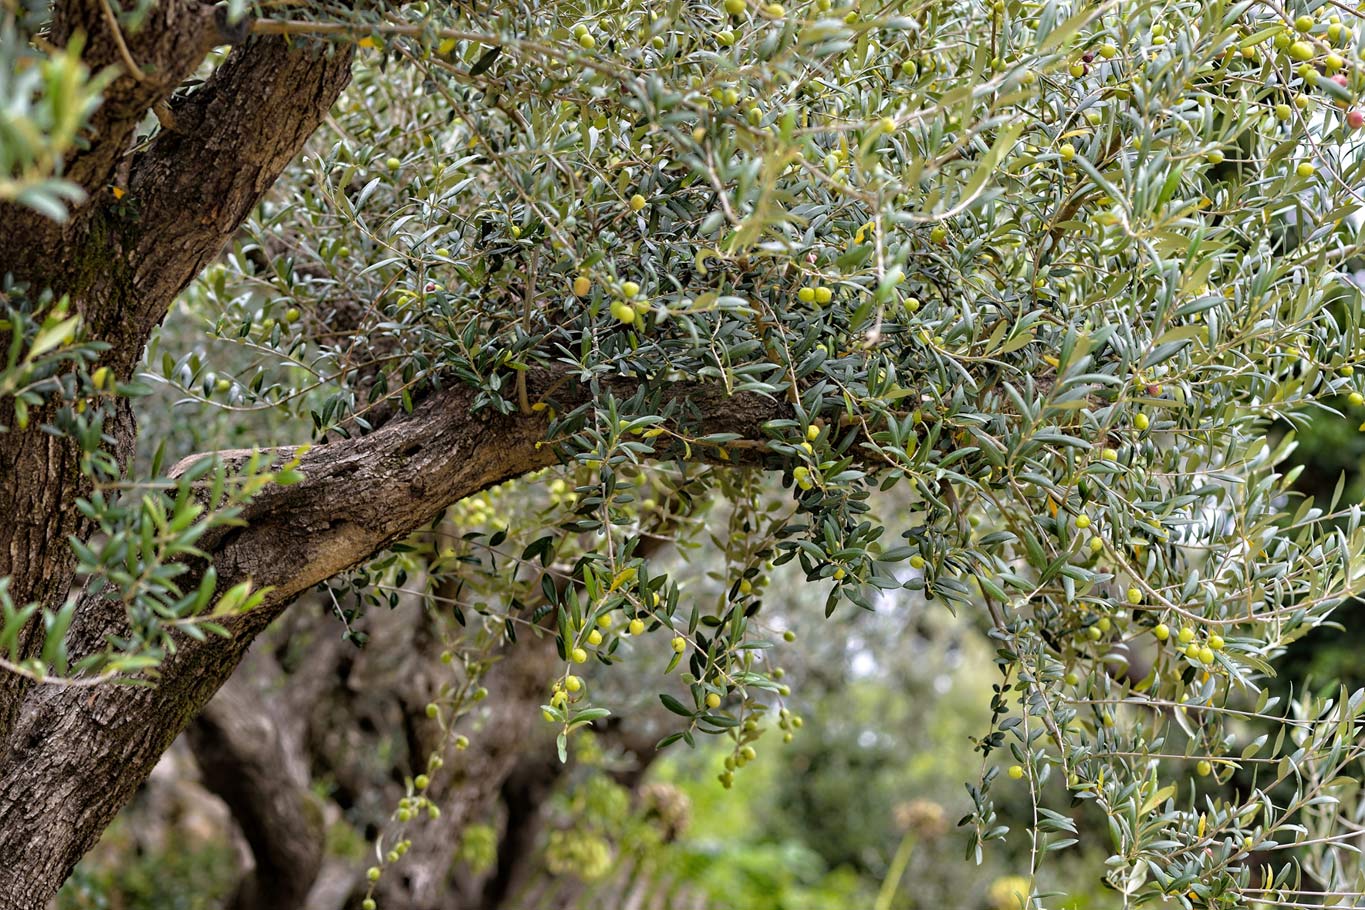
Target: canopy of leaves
1054, 268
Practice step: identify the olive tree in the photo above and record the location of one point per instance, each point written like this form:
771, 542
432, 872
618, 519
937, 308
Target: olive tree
1054, 269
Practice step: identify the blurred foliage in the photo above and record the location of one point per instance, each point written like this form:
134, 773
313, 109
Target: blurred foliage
1329, 449
46, 99
176, 874
817, 822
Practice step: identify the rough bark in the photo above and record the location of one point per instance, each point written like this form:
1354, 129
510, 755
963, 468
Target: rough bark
169, 46
362, 494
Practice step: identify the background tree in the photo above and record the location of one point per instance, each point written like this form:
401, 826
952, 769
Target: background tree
1051, 270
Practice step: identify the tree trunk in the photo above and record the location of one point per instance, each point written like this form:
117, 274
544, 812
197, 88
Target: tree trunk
70, 758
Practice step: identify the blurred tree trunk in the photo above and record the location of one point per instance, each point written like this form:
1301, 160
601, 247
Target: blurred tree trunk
274, 731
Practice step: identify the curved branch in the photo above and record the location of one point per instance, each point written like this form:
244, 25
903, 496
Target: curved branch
360, 495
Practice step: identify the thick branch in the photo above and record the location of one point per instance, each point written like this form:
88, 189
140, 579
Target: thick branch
123, 265
196, 184
362, 494
42, 476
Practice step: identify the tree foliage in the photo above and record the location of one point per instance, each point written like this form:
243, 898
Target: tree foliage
1052, 268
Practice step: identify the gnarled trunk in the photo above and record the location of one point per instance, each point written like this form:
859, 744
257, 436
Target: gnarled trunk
70, 758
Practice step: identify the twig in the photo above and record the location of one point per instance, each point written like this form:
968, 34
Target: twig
128, 61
